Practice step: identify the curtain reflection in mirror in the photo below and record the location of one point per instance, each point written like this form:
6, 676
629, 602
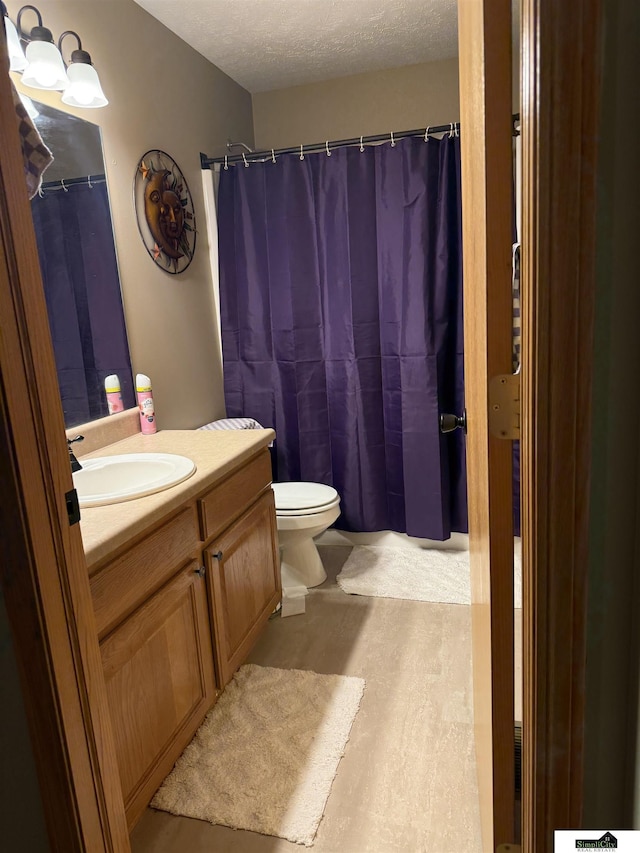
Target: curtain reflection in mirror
82, 289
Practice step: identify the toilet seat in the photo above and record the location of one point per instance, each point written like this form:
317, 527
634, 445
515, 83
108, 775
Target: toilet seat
296, 499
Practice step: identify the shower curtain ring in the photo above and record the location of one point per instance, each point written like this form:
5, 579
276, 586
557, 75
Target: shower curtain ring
361, 145
451, 131
327, 147
273, 156
245, 160
63, 186
89, 182
393, 142
226, 162
426, 133
301, 153
40, 192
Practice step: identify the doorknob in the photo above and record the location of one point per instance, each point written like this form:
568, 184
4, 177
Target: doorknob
449, 423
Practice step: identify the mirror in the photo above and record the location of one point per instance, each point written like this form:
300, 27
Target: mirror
74, 232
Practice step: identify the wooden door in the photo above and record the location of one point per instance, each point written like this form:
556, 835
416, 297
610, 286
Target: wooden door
44, 575
158, 668
244, 572
484, 30
561, 69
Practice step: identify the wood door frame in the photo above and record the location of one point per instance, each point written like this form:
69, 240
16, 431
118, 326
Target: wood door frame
44, 575
484, 36
49, 597
561, 54
560, 50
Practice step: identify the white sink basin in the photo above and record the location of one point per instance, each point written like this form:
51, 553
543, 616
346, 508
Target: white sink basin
112, 479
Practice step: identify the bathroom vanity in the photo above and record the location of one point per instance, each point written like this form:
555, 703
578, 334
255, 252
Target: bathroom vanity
183, 582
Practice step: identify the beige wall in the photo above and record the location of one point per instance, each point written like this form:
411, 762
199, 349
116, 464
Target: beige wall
375, 102
162, 95
406, 98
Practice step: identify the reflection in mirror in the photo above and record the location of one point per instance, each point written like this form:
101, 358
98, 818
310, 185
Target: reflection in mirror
74, 232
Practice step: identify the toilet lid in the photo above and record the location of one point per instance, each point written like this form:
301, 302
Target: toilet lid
302, 496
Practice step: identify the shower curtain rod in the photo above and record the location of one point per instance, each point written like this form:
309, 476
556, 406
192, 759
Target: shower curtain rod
270, 154
61, 183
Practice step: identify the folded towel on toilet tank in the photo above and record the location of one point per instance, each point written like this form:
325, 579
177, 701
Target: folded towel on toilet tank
233, 423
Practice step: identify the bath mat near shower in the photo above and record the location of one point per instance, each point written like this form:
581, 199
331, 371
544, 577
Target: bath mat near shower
265, 757
418, 574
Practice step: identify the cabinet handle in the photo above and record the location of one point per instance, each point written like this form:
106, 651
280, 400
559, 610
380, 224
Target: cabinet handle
217, 556
199, 571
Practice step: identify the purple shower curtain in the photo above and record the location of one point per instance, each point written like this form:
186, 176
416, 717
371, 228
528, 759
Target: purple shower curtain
341, 301
82, 290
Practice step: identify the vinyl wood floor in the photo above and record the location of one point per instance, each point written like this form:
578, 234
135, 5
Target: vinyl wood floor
406, 783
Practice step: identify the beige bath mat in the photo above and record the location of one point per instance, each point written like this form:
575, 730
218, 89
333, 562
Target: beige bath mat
266, 755
429, 574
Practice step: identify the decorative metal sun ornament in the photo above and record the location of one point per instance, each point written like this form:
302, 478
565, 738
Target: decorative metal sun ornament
164, 210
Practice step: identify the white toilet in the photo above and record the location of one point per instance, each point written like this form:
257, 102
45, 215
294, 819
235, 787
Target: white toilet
303, 511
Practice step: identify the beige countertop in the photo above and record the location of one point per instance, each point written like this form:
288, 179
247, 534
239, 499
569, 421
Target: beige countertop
216, 453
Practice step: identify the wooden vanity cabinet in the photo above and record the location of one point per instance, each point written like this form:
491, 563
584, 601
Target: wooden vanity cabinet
178, 612
158, 667
244, 584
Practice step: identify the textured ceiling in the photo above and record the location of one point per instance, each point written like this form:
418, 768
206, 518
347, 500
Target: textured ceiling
273, 44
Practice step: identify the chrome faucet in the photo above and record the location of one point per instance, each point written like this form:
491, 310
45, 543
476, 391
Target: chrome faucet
75, 465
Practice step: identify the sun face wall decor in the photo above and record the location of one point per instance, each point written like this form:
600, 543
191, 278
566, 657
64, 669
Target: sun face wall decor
164, 210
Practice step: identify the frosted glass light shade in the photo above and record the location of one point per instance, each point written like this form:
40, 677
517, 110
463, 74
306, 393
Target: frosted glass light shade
84, 89
17, 59
29, 106
46, 68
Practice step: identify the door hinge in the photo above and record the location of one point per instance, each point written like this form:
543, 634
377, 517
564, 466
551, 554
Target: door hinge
508, 848
73, 507
504, 406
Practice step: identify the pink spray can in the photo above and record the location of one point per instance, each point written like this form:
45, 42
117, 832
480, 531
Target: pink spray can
114, 396
145, 404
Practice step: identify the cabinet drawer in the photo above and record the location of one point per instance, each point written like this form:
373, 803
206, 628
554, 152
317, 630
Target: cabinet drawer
122, 585
229, 499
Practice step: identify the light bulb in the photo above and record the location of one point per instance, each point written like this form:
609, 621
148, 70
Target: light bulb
43, 74
83, 94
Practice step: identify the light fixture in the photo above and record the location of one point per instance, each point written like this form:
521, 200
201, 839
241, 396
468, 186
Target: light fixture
17, 59
45, 69
29, 106
84, 89
43, 66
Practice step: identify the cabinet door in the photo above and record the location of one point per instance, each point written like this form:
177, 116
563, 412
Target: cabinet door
245, 583
159, 673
